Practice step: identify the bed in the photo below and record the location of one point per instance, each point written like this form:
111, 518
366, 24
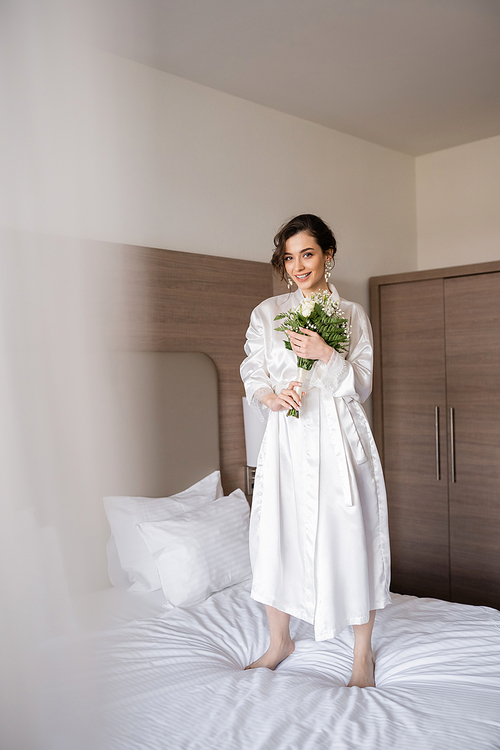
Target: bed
138, 672
174, 679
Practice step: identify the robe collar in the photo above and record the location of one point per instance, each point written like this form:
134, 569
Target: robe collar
298, 296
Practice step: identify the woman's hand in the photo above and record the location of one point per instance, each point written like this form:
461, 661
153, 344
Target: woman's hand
287, 399
310, 345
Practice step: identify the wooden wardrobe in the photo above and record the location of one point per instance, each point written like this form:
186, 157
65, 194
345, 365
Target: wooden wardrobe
436, 410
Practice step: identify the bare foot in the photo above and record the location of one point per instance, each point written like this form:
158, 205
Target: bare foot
273, 656
363, 671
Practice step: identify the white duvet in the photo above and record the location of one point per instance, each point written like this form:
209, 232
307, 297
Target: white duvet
177, 681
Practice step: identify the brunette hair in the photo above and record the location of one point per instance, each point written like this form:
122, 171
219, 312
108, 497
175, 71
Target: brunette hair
314, 226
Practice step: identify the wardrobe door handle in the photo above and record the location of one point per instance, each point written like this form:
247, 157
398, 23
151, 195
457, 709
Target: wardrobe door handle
452, 443
438, 456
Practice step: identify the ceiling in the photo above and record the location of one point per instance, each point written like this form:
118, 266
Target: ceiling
413, 75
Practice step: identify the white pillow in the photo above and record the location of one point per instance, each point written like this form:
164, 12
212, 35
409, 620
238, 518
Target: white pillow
202, 551
124, 513
118, 577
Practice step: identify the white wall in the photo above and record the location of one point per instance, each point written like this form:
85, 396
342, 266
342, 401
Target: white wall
119, 151
458, 205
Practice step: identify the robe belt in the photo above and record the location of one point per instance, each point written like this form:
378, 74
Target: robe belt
340, 441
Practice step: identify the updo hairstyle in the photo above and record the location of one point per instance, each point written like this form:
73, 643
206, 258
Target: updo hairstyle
309, 223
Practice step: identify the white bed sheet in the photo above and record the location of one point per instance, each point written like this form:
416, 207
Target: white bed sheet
176, 681
110, 607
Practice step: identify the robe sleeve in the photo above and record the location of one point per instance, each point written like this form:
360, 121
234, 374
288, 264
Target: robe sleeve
352, 375
253, 369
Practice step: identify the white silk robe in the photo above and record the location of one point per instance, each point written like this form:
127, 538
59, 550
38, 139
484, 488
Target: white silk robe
319, 540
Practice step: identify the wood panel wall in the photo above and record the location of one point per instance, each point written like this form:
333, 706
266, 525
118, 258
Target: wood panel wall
176, 301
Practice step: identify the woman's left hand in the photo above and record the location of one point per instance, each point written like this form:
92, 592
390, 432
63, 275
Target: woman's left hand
310, 345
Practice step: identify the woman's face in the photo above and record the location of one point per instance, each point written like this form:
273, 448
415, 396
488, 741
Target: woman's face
305, 263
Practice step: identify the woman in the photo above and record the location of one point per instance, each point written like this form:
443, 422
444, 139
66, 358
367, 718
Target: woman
319, 542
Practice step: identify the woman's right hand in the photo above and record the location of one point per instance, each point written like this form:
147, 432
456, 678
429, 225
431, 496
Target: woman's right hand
287, 399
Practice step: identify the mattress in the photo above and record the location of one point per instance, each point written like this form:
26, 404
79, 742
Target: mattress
176, 681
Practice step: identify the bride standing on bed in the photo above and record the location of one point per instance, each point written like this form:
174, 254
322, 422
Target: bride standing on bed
319, 542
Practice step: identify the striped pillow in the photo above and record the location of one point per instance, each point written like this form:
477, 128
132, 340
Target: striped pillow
202, 551
124, 513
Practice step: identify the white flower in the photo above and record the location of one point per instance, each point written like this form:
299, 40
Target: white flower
307, 307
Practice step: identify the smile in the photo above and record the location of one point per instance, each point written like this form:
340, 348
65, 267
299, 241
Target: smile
303, 276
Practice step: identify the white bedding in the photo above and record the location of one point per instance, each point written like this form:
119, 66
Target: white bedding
111, 607
176, 681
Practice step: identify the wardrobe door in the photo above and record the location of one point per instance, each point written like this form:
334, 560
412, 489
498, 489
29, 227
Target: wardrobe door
472, 309
414, 419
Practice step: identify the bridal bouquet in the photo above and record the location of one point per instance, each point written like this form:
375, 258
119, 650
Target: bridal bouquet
320, 313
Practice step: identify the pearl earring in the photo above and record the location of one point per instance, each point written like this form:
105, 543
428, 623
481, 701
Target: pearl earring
289, 282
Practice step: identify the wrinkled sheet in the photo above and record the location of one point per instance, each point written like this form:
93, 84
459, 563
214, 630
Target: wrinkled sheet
105, 609
177, 682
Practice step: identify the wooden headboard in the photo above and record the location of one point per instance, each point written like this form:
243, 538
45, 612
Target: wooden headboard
185, 302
